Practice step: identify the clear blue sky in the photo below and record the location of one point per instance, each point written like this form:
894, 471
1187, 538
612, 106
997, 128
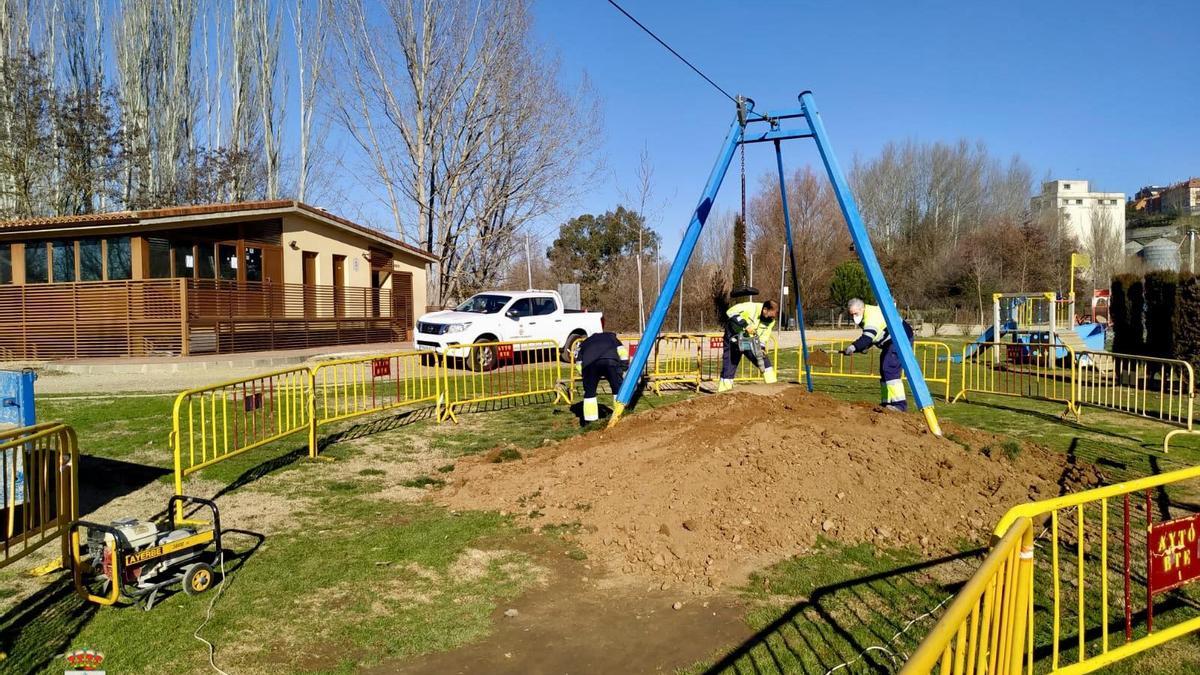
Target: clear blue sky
1103, 90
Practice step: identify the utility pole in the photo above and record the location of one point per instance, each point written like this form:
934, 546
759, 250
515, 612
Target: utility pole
1192, 250
528, 262
752, 268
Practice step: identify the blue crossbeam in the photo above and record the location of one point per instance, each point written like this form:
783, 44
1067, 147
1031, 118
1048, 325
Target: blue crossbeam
774, 135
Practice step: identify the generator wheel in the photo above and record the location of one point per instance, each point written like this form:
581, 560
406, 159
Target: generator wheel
197, 579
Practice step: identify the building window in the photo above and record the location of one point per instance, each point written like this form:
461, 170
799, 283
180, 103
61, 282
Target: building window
91, 260
1066, 186
120, 265
206, 261
185, 260
5, 263
63, 255
227, 257
36, 269
1078, 201
160, 258
254, 268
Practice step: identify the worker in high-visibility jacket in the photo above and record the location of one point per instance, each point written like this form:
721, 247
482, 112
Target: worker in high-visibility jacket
875, 333
748, 327
601, 356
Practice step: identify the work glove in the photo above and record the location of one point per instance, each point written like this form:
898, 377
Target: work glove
848, 350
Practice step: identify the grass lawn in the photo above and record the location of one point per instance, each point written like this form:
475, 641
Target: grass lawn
358, 569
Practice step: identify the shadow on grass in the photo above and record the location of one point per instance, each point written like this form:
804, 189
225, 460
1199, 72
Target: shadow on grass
377, 426
846, 622
358, 430
38, 630
1062, 418
103, 480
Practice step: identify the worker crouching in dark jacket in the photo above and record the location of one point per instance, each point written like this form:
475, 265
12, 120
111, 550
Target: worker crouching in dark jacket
601, 356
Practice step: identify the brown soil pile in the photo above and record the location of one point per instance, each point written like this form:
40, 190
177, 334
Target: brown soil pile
702, 492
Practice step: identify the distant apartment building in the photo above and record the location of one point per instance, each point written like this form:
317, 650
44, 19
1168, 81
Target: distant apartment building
1148, 199
1182, 199
1078, 208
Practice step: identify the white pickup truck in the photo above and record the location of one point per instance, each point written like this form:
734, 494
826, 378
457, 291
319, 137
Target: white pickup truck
504, 316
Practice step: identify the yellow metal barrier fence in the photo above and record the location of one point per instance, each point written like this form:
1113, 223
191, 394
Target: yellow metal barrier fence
826, 359
676, 361
1030, 370
348, 388
39, 487
985, 629
1135, 541
214, 423
522, 369
1161, 389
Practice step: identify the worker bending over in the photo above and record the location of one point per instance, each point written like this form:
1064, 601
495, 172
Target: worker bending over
601, 355
875, 332
748, 326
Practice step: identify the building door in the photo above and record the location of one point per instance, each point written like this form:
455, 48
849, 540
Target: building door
339, 285
273, 279
402, 305
309, 279
381, 271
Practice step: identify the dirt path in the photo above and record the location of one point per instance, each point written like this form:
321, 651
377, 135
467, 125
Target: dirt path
702, 493
586, 621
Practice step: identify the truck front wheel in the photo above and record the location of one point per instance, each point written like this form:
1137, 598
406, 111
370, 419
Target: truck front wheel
483, 358
570, 351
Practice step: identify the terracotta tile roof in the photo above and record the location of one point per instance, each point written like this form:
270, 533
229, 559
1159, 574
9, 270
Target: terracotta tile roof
134, 217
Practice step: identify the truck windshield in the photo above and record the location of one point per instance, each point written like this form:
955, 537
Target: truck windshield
484, 304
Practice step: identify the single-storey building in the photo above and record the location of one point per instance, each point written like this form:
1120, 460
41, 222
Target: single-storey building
217, 278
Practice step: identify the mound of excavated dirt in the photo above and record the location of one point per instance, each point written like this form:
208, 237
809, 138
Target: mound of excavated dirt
702, 492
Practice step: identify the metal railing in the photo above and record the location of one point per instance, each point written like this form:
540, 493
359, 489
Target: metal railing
826, 359
347, 388
520, 369
1029, 370
985, 629
211, 424
1133, 540
1161, 389
676, 361
39, 487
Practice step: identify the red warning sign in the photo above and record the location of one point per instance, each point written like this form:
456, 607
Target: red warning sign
504, 352
1174, 548
381, 367
716, 343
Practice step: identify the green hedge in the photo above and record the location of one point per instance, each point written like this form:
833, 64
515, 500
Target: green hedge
1160, 292
1187, 321
1126, 312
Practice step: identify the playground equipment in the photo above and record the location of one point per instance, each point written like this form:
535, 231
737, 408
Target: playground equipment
738, 137
135, 559
1047, 318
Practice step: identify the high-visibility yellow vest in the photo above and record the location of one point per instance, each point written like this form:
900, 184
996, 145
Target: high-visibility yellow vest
751, 313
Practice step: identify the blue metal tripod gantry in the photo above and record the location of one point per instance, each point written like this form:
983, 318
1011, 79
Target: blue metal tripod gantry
767, 128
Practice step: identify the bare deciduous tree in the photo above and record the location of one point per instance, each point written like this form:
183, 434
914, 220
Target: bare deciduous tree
462, 123
310, 20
